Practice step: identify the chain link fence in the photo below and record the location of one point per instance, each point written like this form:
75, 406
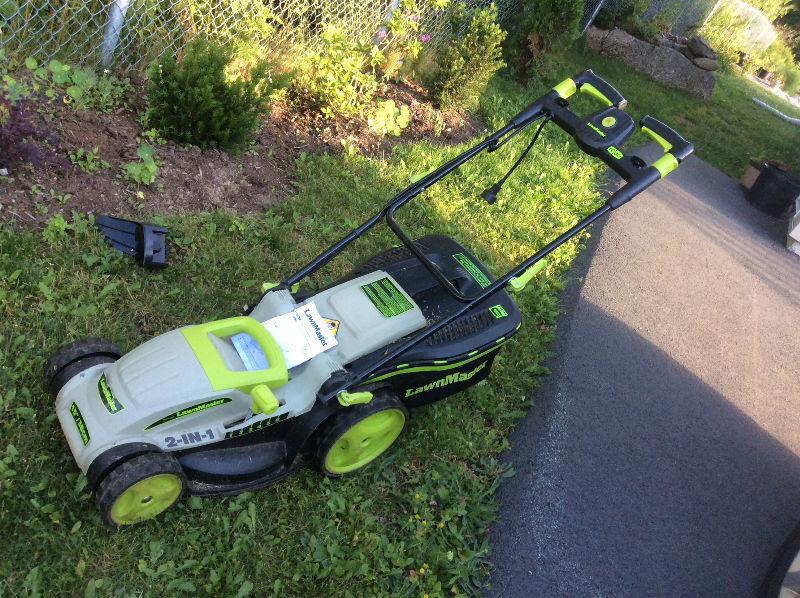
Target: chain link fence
686, 16
129, 34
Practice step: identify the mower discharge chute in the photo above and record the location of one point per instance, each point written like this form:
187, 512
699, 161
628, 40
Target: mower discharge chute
189, 410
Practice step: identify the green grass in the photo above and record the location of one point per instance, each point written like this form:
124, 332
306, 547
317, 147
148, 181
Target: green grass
727, 131
426, 507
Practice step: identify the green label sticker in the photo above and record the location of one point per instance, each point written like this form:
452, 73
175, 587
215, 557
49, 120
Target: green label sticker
615, 152
189, 411
80, 424
107, 397
498, 311
385, 296
473, 270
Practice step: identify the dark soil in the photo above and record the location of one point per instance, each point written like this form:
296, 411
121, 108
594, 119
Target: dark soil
191, 179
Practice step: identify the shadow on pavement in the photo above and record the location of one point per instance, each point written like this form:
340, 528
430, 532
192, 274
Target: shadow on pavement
636, 478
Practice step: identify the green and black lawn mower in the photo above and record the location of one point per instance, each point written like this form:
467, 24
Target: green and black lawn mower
233, 405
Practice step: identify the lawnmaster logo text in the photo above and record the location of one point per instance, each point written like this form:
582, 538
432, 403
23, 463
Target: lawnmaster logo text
190, 411
446, 381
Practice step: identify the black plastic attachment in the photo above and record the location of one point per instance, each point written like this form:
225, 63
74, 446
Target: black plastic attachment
146, 242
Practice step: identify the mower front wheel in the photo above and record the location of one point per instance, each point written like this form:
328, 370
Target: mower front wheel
74, 358
360, 434
140, 489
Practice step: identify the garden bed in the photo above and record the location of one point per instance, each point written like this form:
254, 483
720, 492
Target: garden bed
191, 179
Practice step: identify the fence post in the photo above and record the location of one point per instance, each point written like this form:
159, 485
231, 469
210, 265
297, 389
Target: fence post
116, 20
592, 15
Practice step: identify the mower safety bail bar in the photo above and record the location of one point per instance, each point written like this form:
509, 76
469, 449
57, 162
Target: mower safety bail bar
355, 376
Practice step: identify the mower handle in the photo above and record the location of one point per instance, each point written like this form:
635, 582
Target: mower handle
586, 82
676, 150
604, 132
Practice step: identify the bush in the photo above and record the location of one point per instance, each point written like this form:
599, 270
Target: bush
193, 101
545, 24
334, 78
625, 14
471, 59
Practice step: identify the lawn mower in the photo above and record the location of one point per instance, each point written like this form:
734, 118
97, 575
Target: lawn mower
233, 405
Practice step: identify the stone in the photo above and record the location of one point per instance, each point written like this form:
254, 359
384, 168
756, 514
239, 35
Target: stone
707, 64
700, 48
665, 65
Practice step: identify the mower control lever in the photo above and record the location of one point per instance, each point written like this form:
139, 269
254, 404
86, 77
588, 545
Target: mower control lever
638, 174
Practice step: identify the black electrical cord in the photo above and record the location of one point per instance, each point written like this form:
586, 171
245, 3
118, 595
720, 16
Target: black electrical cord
490, 195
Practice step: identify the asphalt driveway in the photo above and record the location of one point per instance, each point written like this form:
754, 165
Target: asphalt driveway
661, 456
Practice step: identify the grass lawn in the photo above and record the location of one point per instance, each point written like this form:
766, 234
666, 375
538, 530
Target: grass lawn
728, 131
415, 524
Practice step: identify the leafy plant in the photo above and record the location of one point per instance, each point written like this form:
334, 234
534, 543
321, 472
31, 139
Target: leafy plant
84, 87
400, 40
388, 119
88, 161
144, 172
193, 101
334, 78
471, 59
18, 132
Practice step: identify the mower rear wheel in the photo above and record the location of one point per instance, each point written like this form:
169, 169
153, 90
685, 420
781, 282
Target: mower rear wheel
360, 434
140, 489
74, 358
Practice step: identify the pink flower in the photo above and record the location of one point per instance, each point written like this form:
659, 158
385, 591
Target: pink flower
382, 34
415, 18
424, 38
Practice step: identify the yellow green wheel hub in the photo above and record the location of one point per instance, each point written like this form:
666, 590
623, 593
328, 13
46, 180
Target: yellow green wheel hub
146, 498
365, 441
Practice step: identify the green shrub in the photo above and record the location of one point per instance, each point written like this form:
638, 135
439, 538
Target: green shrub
471, 59
791, 82
625, 14
544, 25
334, 78
194, 101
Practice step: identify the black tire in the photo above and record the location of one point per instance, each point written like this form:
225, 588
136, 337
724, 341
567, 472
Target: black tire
347, 420
140, 469
776, 576
72, 359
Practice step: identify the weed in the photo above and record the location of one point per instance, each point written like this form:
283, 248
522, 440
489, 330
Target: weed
88, 161
85, 88
388, 119
145, 171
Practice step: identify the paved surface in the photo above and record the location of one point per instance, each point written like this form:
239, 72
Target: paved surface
661, 457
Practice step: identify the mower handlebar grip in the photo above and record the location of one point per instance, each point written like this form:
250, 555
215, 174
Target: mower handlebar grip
586, 82
676, 148
668, 138
600, 89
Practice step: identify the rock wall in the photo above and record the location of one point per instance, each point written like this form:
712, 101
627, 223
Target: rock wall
661, 63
